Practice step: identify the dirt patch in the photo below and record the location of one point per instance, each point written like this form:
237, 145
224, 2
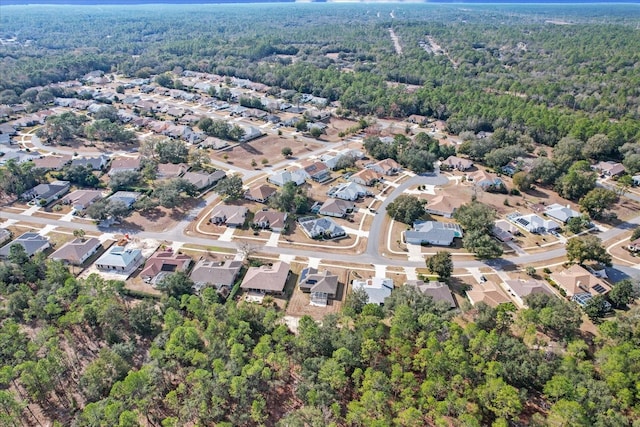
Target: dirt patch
268, 147
159, 219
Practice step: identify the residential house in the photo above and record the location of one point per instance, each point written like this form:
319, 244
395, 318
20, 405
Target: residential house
170, 170
533, 223
260, 193
331, 160
488, 293
31, 242
231, 216
203, 180
486, 181
163, 263
561, 213
215, 143
417, 119
125, 164
297, 176
337, 208
82, 199
77, 251
504, 231
322, 286
386, 167
520, 289
95, 163
444, 205
438, 291
221, 275
119, 259
433, 233
126, 197
366, 177
348, 191
52, 162
321, 228
378, 289
251, 133
576, 280
453, 162
317, 171
274, 220
267, 279
17, 156
46, 193
609, 168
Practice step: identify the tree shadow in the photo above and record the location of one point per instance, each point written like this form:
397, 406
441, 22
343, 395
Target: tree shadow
153, 214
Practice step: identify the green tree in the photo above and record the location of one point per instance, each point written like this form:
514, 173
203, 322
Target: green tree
577, 182
406, 209
596, 308
500, 398
124, 180
290, 198
286, 152
108, 112
164, 80
522, 180
597, 201
174, 192
231, 187
440, 264
172, 151
587, 248
544, 171
176, 284
567, 413
477, 220
624, 293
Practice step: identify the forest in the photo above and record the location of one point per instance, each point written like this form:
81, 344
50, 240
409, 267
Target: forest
88, 352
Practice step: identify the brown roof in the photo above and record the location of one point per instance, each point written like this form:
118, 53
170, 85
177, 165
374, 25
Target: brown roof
75, 250
458, 162
165, 260
52, 162
267, 278
314, 281
524, 288
273, 218
436, 290
169, 170
215, 272
489, 293
366, 175
444, 203
228, 214
577, 280
313, 167
125, 163
260, 192
82, 197
388, 165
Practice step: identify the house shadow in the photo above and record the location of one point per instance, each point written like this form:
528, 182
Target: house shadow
457, 286
250, 149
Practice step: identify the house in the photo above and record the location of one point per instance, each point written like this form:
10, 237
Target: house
46, 193
52, 162
378, 289
31, 242
634, 245
439, 291
267, 279
322, 286
583, 299
504, 231
95, 163
260, 193
386, 167
321, 228
331, 160
417, 119
444, 205
488, 293
125, 164
348, 191
231, 216
486, 181
337, 208
203, 180
81, 199
297, 176
120, 259
162, 263
561, 213
170, 170
453, 162
126, 197
317, 171
366, 177
609, 168
433, 233
212, 142
218, 274
250, 133
576, 280
77, 251
520, 289
17, 156
276, 221
533, 223
4, 235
